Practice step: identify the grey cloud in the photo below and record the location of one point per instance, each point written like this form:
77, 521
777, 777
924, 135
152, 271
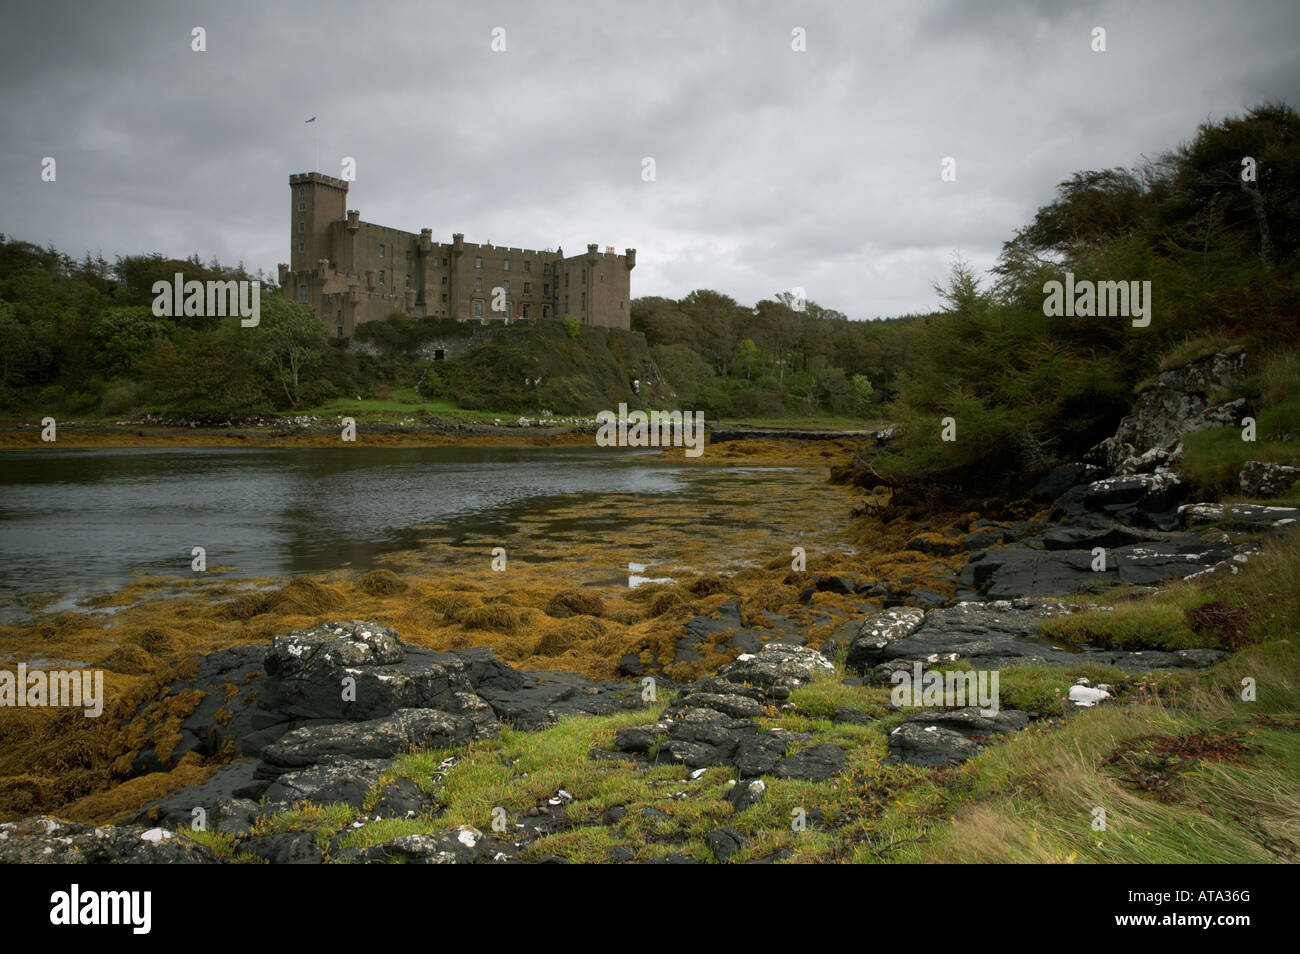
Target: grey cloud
772, 165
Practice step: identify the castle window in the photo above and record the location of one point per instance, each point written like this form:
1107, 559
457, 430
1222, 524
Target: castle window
505, 265
505, 286
546, 311
584, 301
381, 276
546, 268
302, 293
444, 299
478, 284
546, 291
478, 308
584, 274
302, 226
408, 254
444, 281
302, 246
528, 311
381, 251
528, 288
566, 279
302, 206
478, 261
528, 266
338, 331
408, 281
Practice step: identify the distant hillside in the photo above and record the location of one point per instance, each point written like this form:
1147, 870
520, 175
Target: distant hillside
543, 367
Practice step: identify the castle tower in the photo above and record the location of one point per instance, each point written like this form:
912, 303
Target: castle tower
316, 200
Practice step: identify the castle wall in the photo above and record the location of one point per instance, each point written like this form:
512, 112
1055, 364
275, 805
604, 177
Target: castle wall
351, 271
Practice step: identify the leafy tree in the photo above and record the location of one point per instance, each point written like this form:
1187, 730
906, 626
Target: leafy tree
747, 353
862, 388
289, 341
121, 336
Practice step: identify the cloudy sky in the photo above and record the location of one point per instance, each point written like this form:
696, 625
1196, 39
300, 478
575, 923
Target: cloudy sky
774, 169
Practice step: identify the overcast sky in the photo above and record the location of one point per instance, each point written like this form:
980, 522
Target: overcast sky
775, 169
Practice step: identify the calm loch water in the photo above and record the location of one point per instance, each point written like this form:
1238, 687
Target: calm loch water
81, 521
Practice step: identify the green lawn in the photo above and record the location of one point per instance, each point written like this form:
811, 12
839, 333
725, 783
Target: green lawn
402, 404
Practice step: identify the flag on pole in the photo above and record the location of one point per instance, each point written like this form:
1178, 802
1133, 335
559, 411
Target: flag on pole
312, 120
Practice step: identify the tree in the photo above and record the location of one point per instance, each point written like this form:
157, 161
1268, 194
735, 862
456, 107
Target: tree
747, 353
290, 340
15, 344
862, 387
572, 327
121, 336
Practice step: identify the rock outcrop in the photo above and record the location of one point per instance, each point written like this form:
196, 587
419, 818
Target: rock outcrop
1150, 438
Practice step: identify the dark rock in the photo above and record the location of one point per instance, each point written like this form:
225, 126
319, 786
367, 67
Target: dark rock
970, 721
759, 753
851, 716
401, 798
745, 794
927, 599
344, 780
815, 764
777, 665
930, 746
44, 840
1264, 479
224, 787
1085, 538
725, 842
1062, 478
639, 738
1238, 516
463, 845
1178, 405
737, 706
878, 631
613, 815
289, 848
385, 737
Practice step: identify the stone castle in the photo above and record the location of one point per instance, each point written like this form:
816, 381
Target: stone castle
352, 272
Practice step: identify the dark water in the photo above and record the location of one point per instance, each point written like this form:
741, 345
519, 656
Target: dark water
87, 521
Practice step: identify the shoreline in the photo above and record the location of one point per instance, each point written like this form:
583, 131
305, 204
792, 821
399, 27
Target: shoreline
523, 432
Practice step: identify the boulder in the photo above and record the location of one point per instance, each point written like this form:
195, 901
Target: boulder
878, 631
1179, 404
460, 846
930, 746
1263, 479
44, 840
815, 764
382, 738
